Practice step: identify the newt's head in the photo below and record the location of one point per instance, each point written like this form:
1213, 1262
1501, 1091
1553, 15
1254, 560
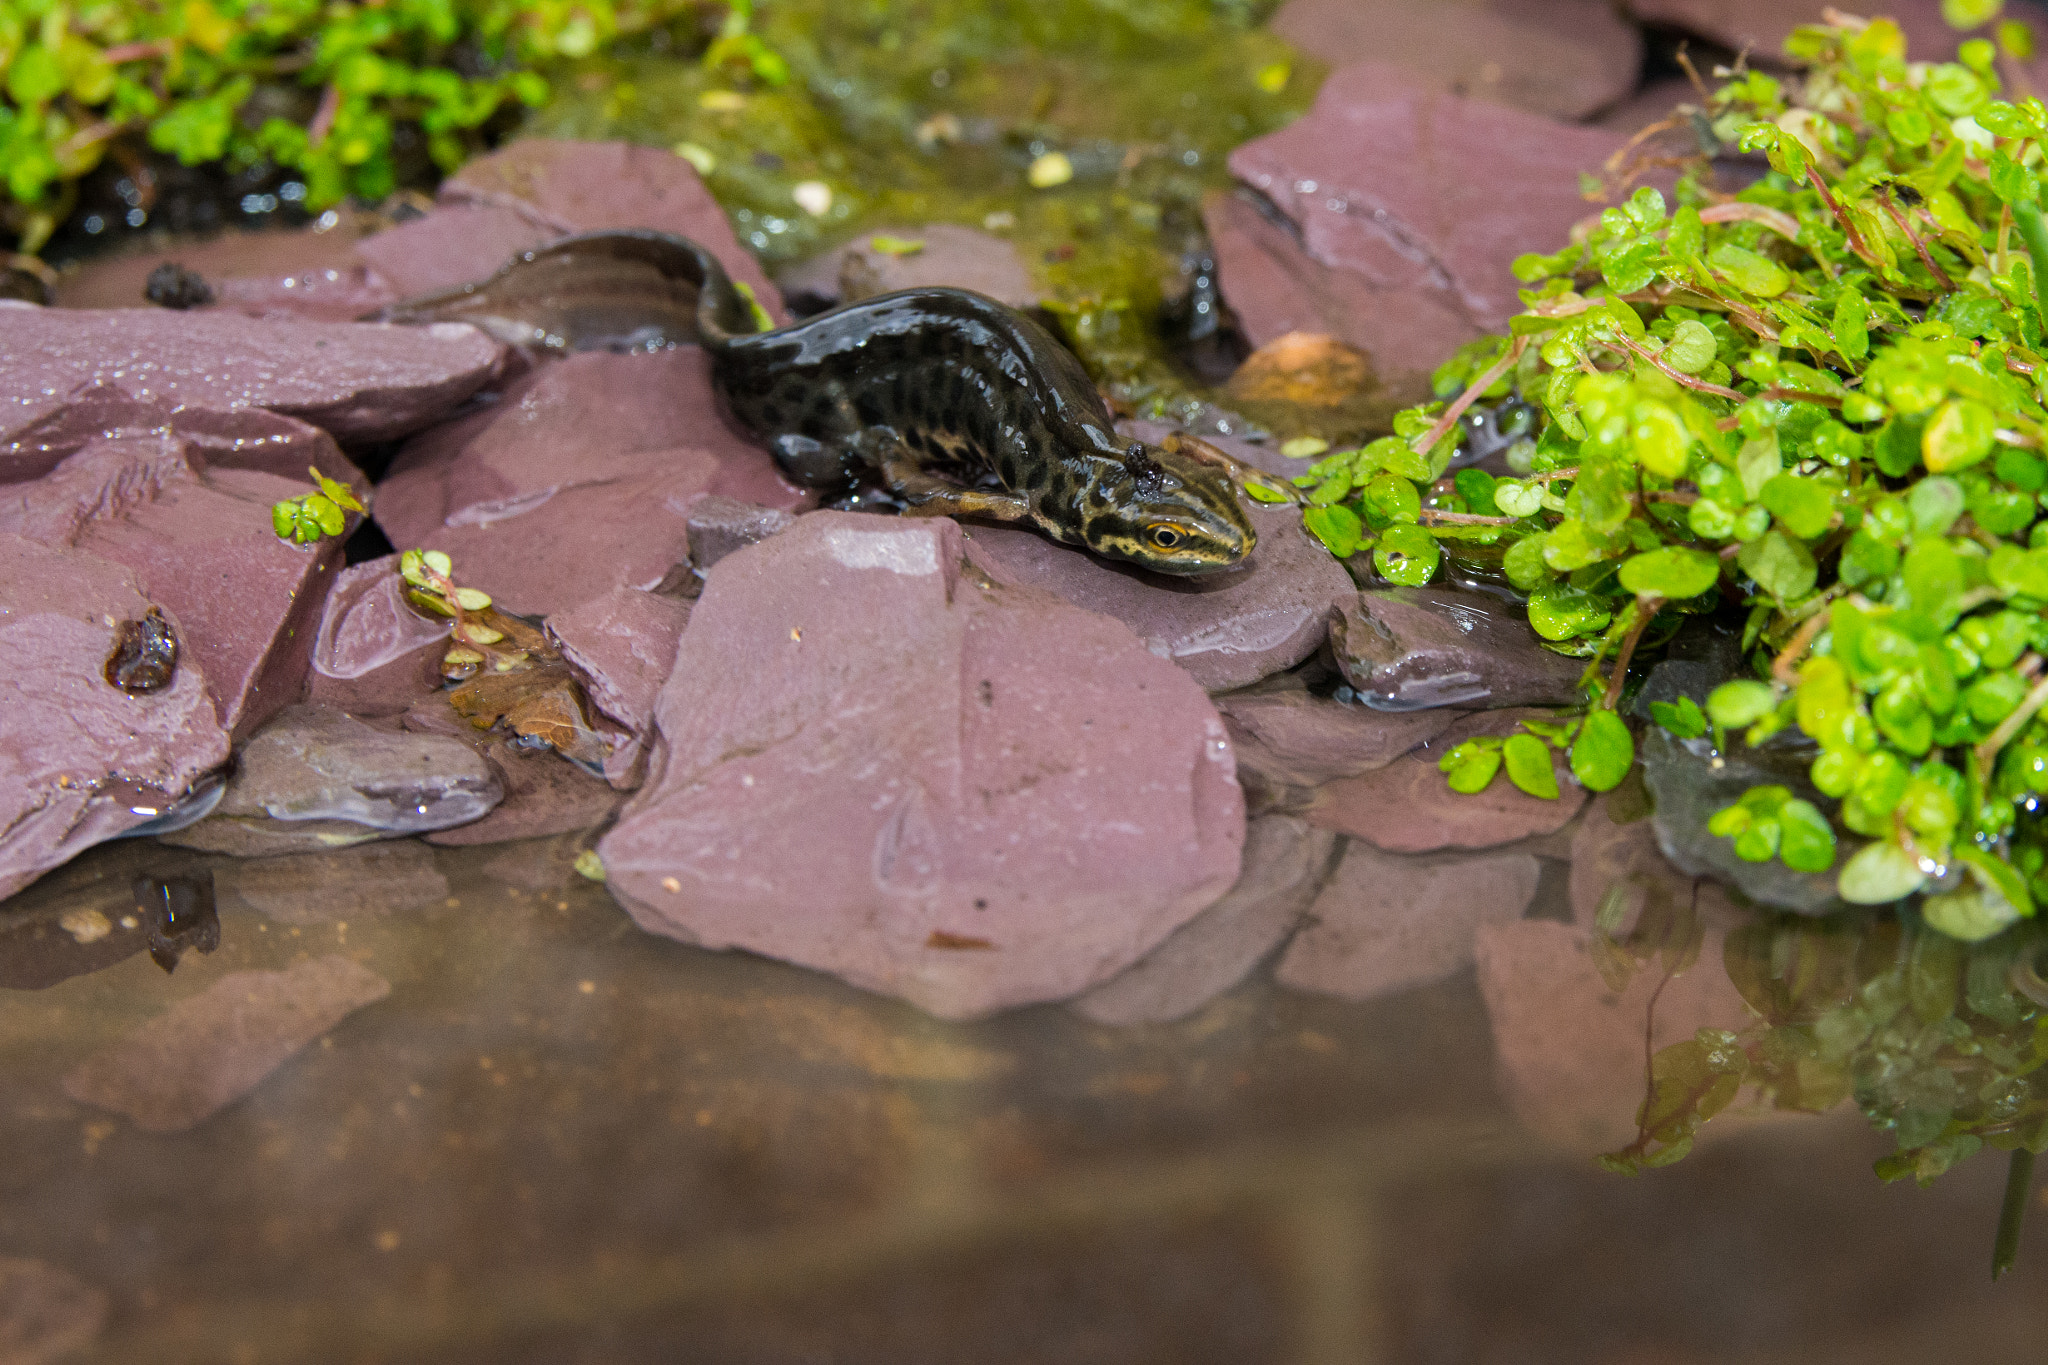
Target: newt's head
1168, 513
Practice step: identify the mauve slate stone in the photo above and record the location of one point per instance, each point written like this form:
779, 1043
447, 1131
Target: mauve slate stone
1406, 649
365, 882
578, 480
373, 655
953, 257
359, 381
623, 645
242, 438
247, 270
1760, 27
1407, 807
1401, 210
1285, 862
720, 525
1385, 923
1228, 629
208, 1050
82, 761
563, 186
997, 799
1308, 740
315, 779
544, 792
1562, 58
200, 541
453, 245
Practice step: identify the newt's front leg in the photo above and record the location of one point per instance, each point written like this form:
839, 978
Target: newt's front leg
930, 496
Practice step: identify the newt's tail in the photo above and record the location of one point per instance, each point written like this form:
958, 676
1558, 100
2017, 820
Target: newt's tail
631, 289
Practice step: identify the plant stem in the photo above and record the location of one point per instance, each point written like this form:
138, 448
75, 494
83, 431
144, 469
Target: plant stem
1646, 607
2019, 1183
1426, 442
2010, 726
2027, 217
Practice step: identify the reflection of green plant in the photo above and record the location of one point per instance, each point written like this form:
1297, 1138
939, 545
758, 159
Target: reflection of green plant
1942, 1043
210, 79
1821, 398
310, 516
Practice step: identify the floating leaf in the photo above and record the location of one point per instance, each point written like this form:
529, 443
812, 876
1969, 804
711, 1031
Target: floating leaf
1528, 764
1674, 572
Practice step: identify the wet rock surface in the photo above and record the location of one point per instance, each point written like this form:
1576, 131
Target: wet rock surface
950, 256
200, 542
562, 186
544, 793
623, 646
1563, 58
1409, 648
373, 655
1407, 807
81, 760
318, 779
208, 1050
1290, 738
719, 525
580, 479
310, 273
357, 381
1385, 923
338, 887
1385, 226
1228, 629
46, 1313
1689, 786
1286, 861
937, 812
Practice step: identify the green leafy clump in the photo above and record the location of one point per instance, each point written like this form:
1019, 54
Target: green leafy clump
312, 516
1816, 405
319, 87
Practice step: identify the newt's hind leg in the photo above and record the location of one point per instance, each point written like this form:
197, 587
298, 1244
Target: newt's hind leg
931, 496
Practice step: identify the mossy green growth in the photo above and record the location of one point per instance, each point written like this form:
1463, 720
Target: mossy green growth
1818, 403
926, 111
320, 87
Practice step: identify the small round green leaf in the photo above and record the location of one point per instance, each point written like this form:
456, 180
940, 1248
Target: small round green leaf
1603, 752
1674, 572
1528, 764
1879, 874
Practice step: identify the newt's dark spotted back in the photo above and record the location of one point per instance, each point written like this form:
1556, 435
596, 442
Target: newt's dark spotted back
954, 402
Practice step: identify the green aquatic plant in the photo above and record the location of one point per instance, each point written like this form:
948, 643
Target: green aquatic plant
315, 515
322, 88
1817, 404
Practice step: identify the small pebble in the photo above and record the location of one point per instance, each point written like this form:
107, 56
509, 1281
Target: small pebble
813, 197
1049, 170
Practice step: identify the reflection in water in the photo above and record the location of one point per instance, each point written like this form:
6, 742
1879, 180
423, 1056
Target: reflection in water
1940, 1043
177, 913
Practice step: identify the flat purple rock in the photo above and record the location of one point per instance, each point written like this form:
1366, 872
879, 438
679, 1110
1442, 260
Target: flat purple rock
1562, 58
1307, 740
623, 645
1408, 807
359, 381
373, 655
81, 760
996, 800
1406, 649
580, 479
1404, 208
1228, 629
200, 541
562, 186
950, 256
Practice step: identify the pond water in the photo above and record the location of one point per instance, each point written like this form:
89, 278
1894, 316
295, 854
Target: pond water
409, 1103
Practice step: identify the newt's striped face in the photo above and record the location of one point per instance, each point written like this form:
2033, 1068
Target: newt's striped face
1165, 512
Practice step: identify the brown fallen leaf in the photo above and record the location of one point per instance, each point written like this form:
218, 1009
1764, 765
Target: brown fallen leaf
544, 702
941, 939
1302, 367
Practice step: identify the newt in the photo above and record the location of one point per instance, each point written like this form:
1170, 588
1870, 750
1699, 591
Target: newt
954, 403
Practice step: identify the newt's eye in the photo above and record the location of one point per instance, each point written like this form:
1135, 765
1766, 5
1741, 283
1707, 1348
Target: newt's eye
1163, 536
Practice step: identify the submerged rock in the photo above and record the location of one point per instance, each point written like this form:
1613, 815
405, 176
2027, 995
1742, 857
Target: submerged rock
81, 760
346, 885
47, 1314
580, 479
1000, 799
1689, 784
1407, 806
1228, 629
623, 647
1385, 923
200, 541
310, 273
1285, 863
1395, 212
357, 381
1292, 736
947, 255
1405, 649
1563, 58
208, 1050
544, 792
315, 779
1622, 861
